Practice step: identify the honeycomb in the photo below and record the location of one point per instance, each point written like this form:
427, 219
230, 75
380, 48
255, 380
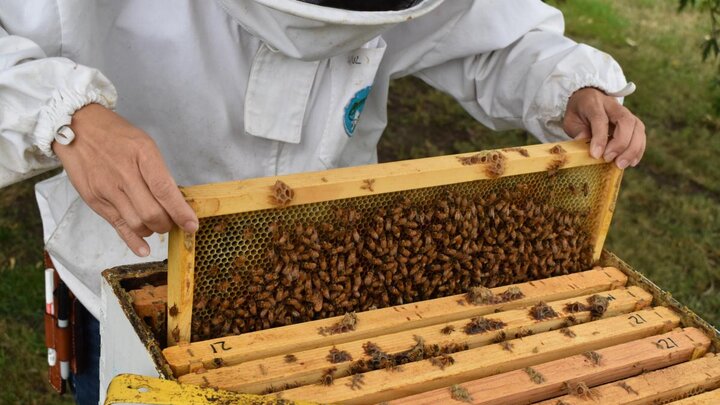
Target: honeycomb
222, 239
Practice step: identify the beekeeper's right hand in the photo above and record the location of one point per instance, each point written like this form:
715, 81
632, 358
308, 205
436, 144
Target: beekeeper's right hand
119, 172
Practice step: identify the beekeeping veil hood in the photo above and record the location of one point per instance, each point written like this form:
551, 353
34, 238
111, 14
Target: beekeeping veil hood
297, 37
310, 32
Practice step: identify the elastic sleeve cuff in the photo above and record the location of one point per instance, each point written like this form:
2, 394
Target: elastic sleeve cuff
63, 104
585, 67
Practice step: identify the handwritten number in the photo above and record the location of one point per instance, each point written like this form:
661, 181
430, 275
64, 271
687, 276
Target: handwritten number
666, 343
222, 346
638, 319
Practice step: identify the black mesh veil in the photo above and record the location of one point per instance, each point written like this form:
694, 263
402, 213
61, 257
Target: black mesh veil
366, 5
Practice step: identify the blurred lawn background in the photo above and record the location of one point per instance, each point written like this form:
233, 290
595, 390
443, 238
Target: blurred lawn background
667, 223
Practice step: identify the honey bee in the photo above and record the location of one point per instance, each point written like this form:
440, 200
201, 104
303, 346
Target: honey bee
213, 271
507, 346
356, 383
173, 311
586, 189
327, 378
248, 233
557, 150
542, 311
598, 305
442, 361
567, 332
220, 227
535, 376
338, 356
575, 307
368, 185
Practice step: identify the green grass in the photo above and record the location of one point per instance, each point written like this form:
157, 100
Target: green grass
23, 356
667, 222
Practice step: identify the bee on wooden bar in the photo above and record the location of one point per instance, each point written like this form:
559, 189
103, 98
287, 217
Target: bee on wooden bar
507, 346
535, 377
581, 390
627, 388
523, 332
482, 325
368, 185
512, 294
567, 332
357, 382
593, 357
338, 356
480, 295
542, 311
459, 393
598, 305
575, 307
500, 337
442, 361
346, 324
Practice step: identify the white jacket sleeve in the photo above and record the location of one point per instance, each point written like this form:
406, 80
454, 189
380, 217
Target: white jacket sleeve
528, 84
38, 95
510, 66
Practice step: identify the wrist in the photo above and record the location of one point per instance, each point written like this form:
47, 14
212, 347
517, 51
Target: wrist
60, 110
79, 124
587, 91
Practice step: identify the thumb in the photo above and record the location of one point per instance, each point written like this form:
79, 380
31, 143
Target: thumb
583, 135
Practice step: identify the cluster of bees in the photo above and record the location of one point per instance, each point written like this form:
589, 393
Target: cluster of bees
400, 254
377, 359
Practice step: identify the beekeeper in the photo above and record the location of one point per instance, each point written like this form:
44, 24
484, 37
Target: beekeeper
133, 97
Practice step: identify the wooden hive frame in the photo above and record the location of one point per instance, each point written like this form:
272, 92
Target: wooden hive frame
185, 358
644, 348
252, 195
633, 335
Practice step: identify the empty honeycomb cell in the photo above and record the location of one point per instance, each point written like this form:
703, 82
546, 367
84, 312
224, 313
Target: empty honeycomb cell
216, 252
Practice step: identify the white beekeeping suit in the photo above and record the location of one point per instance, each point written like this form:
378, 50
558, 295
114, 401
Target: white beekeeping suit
232, 89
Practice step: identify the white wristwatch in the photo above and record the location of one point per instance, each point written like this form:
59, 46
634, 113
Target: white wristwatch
64, 135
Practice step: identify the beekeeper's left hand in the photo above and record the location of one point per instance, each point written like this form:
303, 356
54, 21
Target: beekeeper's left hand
615, 132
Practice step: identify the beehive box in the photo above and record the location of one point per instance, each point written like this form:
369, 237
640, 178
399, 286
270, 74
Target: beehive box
460, 301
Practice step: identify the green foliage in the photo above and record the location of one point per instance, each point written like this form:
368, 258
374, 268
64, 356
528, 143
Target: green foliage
710, 46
